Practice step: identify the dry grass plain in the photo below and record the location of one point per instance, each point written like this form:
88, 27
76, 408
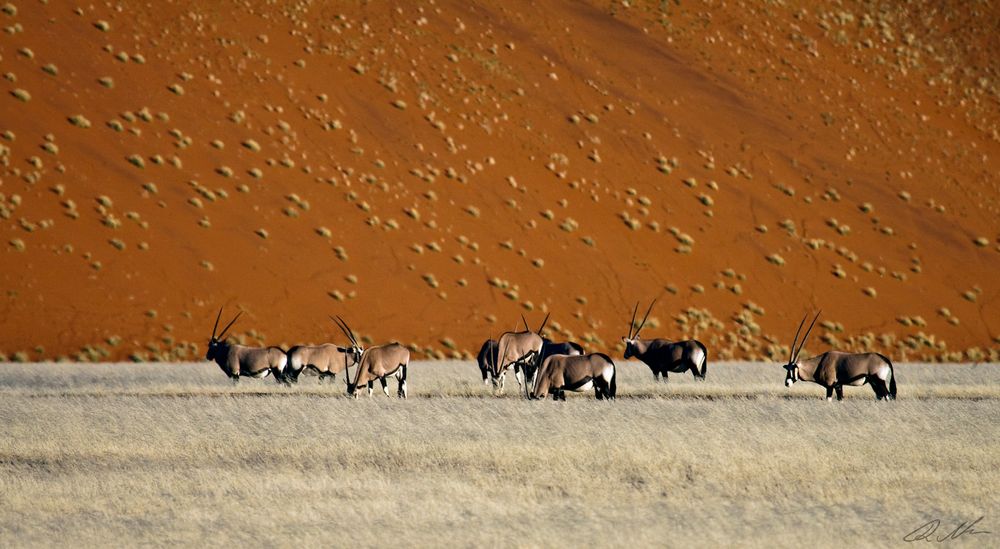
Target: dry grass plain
144, 454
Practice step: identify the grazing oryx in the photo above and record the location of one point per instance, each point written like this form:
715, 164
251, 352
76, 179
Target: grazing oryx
325, 360
240, 360
487, 357
550, 348
664, 356
834, 369
379, 363
523, 351
561, 373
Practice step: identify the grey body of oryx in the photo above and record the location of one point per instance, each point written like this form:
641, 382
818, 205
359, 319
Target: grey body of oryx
834, 369
561, 373
487, 357
240, 360
379, 363
326, 361
550, 348
523, 351
664, 356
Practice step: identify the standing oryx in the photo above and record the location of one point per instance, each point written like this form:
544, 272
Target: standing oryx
664, 356
325, 360
550, 348
523, 351
379, 363
240, 360
561, 373
834, 369
487, 357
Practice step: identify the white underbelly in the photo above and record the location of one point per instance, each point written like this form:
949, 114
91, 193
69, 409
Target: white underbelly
588, 386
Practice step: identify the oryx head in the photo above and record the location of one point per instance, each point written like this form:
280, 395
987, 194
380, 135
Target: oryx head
355, 349
216, 344
632, 338
353, 352
792, 366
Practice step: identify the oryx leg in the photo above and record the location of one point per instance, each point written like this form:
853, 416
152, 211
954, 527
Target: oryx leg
878, 385
840, 392
829, 394
518, 374
371, 385
385, 386
656, 377
602, 389
401, 376
279, 376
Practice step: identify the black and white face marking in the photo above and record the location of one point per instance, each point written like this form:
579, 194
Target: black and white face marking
791, 374
629, 347
213, 346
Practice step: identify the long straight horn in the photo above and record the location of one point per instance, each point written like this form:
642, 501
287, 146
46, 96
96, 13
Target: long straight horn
542, 327
231, 322
631, 324
342, 329
350, 332
526, 328
216, 327
803, 344
791, 350
643, 323
490, 361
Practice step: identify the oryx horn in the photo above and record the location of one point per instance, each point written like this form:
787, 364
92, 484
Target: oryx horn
803, 343
216, 327
542, 327
222, 335
348, 331
791, 350
643, 323
631, 324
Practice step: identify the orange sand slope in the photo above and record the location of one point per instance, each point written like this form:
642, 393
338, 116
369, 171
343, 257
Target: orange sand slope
431, 172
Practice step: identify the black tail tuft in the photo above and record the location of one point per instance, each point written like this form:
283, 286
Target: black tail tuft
704, 360
892, 377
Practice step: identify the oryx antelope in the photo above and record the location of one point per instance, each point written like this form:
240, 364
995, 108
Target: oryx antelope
550, 348
325, 360
561, 373
664, 356
834, 369
240, 360
487, 357
379, 363
523, 351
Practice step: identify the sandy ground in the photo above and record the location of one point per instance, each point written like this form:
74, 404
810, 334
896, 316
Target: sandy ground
166, 454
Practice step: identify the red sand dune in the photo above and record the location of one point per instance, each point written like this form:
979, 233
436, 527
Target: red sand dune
431, 172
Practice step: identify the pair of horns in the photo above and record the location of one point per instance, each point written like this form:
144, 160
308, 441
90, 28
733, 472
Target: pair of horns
631, 324
793, 352
540, 328
222, 335
346, 329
